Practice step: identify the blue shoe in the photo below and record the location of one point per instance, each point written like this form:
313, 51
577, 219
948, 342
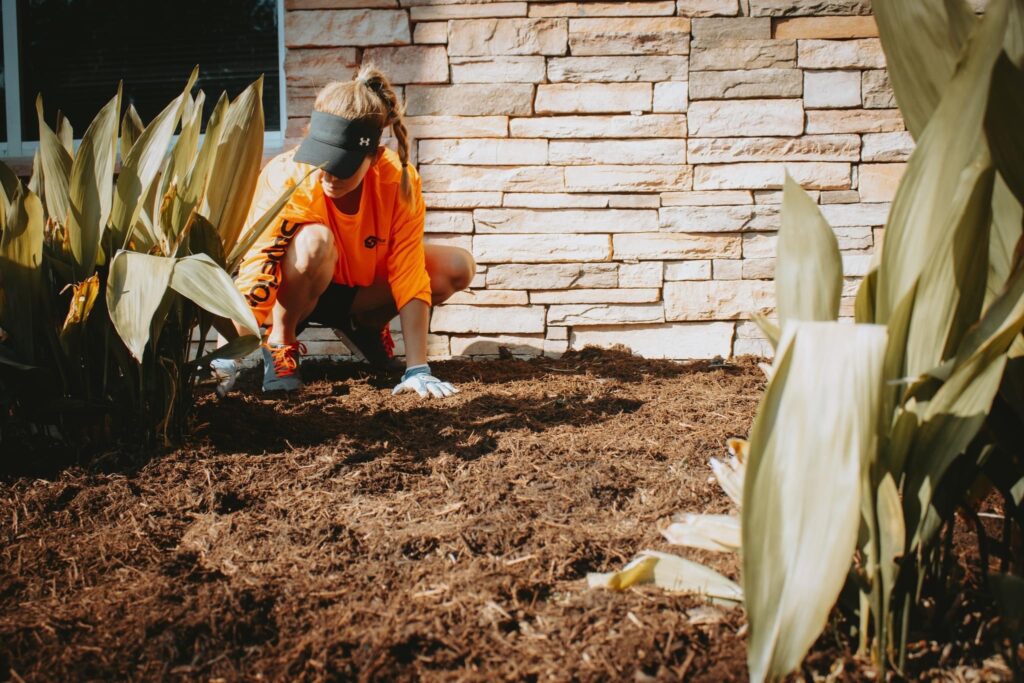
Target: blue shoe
281, 366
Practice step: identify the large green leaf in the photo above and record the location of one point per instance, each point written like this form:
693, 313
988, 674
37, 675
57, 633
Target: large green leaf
21, 257
91, 187
236, 166
56, 170
812, 435
922, 41
1007, 228
200, 279
1003, 123
131, 129
136, 285
808, 267
143, 162
952, 417
930, 200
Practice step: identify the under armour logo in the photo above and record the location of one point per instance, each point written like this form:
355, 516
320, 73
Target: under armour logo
364, 142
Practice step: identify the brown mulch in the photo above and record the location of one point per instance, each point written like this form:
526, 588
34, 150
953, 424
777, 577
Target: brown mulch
343, 534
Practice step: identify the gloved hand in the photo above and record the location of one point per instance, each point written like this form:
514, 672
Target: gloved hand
225, 373
418, 379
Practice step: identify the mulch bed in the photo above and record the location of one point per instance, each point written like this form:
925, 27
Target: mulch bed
343, 534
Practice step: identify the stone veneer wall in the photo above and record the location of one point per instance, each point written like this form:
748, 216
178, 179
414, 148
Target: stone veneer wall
615, 166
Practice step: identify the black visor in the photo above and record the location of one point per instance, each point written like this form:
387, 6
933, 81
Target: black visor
337, 143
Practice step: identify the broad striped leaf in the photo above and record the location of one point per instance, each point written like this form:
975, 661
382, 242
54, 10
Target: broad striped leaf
21, 257
56, 169
814, 431
199, 279
136, 286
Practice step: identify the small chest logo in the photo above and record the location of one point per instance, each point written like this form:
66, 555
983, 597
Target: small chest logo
372, 241
364, 142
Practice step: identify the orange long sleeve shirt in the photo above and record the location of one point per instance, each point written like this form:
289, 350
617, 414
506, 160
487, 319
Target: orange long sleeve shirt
382, 240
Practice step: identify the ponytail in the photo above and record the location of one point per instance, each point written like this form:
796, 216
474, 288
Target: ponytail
377, 82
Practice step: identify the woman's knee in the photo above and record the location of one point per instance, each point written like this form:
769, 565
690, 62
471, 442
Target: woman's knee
313, 252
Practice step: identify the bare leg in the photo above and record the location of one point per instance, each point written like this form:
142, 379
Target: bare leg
307, 270
451, 269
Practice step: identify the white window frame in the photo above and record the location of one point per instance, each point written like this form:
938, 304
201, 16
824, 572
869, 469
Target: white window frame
15, 147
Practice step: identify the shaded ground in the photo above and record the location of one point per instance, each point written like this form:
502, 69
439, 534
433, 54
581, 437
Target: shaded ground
345, 534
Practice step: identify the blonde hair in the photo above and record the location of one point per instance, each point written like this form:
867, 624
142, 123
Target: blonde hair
371, 99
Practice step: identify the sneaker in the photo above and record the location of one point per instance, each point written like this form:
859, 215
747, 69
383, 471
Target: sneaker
281, 366
225, 373
376, 346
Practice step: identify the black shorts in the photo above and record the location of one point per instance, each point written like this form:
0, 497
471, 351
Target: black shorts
333, 308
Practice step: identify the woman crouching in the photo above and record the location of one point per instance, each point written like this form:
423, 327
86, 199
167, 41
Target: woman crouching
347, 250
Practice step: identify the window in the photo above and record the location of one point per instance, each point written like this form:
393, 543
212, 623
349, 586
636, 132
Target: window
74, 52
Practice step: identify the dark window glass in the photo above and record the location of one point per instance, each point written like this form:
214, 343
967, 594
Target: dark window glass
3, 91
74, 52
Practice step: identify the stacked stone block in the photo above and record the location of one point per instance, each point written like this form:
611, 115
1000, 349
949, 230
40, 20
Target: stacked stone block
615, 166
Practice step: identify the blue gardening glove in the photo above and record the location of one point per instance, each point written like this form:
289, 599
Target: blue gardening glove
418, 379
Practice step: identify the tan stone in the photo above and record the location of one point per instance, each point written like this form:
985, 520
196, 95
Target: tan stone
564, 221
861, 53
713, 300
422, 127
346, 28
555, 200
618, 69
758, 268
654, 151
857, 265
445, 178
806, 148
413, 64
488, 319
727, 269
431, 33
759, 246
489, 9
557, 333
828, 121
750, 341
723, 198
798, 8
831, 89
627, 178
643, 274
604, 314
541, 248
714, 118
878, 182
855, 214
745, 84
645, 126
596, 296
489, 297
448, 221
507, 37
878, 93
774, 197
469, 99
671, 97
529, 69
745, 54
553, 276
461, 200
593, 98
839, 197
674, 246
520, 346
705, 218
887, 146
854, 238
763, 176
316, 67
706, 31
484, 152
707, 8
634, 201
632, 36
604, 9
678, 341
827, 27
340, 4
687, 270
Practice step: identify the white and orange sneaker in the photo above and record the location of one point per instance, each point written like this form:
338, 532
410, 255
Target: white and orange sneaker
281, 366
